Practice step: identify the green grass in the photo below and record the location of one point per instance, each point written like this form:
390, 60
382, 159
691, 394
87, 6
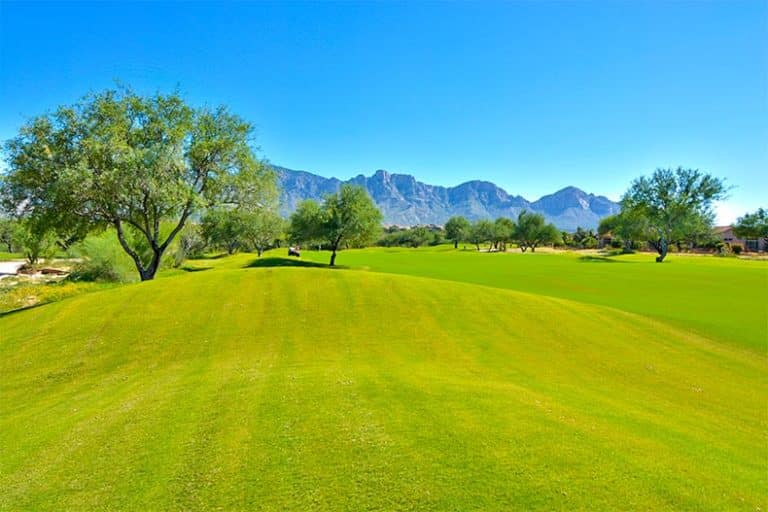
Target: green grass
31, 294
6, 256
722, 298
281, 388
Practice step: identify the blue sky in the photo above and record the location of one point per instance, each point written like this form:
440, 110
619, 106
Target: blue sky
534, 96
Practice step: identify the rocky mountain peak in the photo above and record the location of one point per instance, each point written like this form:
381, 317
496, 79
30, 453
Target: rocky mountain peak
404, 200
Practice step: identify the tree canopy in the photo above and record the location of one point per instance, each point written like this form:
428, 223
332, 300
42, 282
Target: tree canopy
628, 225
503, 232
752, 225
676, 204
347, 217
532, 230
457, 229
480, 231
117, 159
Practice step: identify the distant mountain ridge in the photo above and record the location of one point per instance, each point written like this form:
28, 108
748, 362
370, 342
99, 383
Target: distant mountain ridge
405, 201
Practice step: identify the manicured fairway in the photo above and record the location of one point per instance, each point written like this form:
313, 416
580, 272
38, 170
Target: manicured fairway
318, 389
723, 298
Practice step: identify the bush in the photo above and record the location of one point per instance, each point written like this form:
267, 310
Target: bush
736, 249
416, 236
102, 259
189, 244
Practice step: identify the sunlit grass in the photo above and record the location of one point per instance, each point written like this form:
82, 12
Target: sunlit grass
308, 388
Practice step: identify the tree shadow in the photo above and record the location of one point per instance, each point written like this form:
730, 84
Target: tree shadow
187, 268
598, 259
273, 261
22, 308
211, 256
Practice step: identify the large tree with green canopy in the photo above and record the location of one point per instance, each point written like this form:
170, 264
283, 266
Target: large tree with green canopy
347, 217
675, 203
532, 230
134, 163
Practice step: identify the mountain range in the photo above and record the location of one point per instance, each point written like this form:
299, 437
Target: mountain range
405, 201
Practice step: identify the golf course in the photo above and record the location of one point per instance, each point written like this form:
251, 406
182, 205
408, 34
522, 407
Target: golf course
403, 379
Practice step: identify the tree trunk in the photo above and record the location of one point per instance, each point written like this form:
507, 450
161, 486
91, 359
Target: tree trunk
148, 273
455, 245
533, 248
259, 250
333, 257
662, 247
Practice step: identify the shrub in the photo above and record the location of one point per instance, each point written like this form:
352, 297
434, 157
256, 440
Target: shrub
190, 244
736, 249
101, 259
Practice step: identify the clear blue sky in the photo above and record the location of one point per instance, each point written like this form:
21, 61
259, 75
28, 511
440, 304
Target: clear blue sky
531, 95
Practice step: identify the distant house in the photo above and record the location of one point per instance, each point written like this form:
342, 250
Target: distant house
605, 240
726, 234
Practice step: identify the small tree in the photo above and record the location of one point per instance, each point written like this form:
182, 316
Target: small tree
262, 228
753, 225
456, 230
532, 231
191, 244
8, 232
584, 239
480, 231
133, 163
348, 216
503, 233
674, 203
628, 226
33, 241
224, 228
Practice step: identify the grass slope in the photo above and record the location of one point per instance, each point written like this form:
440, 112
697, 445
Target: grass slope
311, 389
722, 298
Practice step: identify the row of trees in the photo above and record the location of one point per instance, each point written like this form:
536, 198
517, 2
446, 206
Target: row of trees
530, 231
416, 236
145, 166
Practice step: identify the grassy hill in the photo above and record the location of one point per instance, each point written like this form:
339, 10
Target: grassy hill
318, 389
721, 298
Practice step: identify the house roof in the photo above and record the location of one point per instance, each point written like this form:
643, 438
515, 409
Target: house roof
722, 229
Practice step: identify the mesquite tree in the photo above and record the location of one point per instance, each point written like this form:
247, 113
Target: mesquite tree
348, 216
532, 230
675, 203
456, 230
133, 163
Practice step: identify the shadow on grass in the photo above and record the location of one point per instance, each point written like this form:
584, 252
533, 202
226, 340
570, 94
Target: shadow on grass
211, 256
273, 261
598, 259
187, 268
10, 312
